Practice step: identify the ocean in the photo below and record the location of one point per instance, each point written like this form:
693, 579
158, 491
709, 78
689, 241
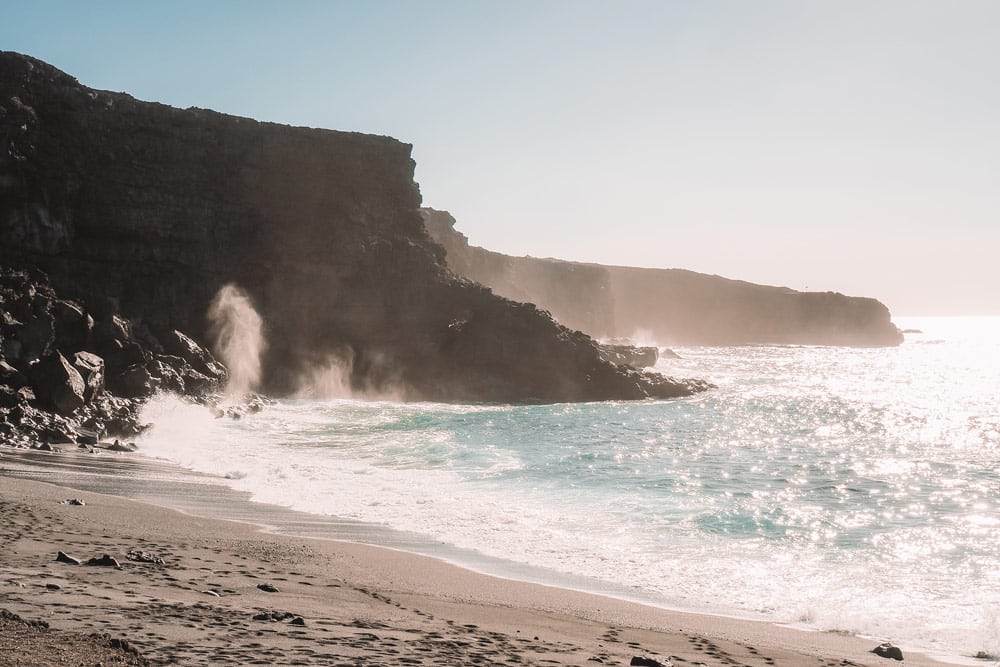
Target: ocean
846, 489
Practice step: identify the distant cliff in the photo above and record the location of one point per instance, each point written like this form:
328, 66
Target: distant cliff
670, 306
147, 210
579, 296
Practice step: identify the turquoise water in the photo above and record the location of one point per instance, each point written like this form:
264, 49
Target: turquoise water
842, 489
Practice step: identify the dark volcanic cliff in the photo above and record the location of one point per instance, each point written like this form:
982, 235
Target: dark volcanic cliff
148, 210
672, 306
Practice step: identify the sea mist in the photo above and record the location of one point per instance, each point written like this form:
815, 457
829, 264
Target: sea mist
238, 338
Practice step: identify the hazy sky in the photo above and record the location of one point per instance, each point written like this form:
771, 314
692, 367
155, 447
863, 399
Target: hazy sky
842, 145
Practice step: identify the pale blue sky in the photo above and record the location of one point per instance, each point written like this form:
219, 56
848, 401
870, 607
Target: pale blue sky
843, 145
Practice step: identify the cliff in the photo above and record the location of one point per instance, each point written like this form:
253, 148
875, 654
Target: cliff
671, 306
579, 296
148, 211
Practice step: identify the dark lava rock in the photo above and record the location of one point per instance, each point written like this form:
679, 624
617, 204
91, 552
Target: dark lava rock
134, 382
86, 436
267, 588
53, 587
273, 616
91, 370
72, 326
887, 650
105, 561
177, 344
65, 558
640, 661
119, 356
110, 330
298, 620
58, 384
73, 501
11, 377
119, 446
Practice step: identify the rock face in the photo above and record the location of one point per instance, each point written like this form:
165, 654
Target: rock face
674, 306
146, 211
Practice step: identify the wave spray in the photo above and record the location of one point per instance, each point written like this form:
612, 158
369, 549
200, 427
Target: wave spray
237, 331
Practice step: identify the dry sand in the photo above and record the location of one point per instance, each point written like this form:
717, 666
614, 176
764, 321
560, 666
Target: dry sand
358, 604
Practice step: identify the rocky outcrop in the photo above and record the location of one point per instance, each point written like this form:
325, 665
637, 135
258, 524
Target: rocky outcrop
52, 377
630, 355
672, 306
145, 211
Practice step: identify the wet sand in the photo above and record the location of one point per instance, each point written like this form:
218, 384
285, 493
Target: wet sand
358, 604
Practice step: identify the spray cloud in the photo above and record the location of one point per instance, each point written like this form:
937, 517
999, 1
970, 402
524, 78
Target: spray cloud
237, 332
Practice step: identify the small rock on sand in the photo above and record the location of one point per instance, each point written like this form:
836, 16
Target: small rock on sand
105, 561
642, 661
267, 588
887, 650
73, 501
144, 557
65, 558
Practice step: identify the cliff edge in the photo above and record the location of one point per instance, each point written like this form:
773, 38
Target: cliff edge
146, 210
671, 306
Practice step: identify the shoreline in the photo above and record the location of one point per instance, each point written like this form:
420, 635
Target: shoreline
396, 588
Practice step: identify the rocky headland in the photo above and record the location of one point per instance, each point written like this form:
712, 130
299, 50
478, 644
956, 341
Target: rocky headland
670, 306
142, 213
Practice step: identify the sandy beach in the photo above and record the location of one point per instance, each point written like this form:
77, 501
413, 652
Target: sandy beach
327, 602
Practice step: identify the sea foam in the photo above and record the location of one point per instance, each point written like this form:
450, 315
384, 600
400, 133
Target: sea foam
841, 489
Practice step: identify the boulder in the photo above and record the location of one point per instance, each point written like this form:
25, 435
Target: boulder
58, 384
8, 396
168, 377
36, 336
91, 369
109, 330
11, 377
134, 382
887, 650
119, 355
73, 326
178, 344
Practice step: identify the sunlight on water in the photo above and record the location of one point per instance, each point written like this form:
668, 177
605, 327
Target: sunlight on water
848, 489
